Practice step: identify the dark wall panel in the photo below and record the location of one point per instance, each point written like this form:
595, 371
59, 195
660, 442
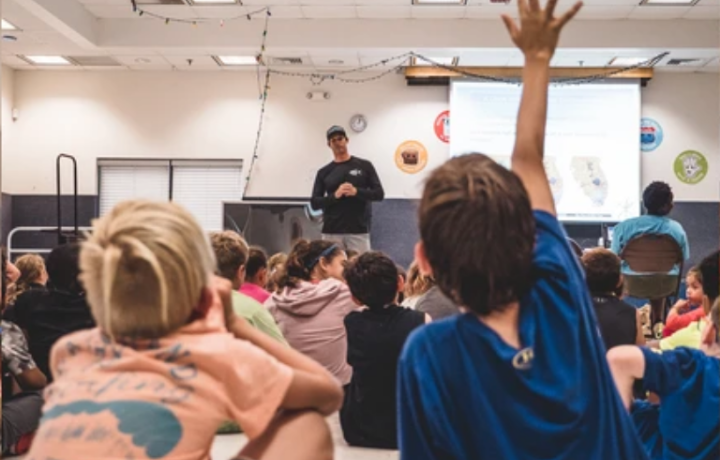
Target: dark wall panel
394, 224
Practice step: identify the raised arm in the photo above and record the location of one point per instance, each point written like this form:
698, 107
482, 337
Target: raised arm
537, 37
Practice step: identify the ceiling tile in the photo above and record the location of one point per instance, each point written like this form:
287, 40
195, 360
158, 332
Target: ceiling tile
384, 12
659, 12
490, 11
382, 2
594, 12
286, 12
222, 12
143, 61
270, 2
335, 61
438, 12
111, 12
329, 12
181, 62
703, 12
173, 11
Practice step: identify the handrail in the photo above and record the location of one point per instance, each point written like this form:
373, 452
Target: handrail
59, 194
11, 250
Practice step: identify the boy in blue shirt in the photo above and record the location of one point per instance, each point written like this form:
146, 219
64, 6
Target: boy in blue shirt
686, 423
658, 201
522, 374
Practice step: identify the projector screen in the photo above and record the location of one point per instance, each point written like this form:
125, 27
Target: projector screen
592, 146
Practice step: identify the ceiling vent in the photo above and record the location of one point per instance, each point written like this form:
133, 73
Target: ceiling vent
94, 61
692, 62
286, 61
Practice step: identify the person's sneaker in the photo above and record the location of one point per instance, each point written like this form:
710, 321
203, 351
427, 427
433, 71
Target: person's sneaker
229, 427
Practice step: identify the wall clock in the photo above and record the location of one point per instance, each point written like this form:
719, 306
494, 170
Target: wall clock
358, 123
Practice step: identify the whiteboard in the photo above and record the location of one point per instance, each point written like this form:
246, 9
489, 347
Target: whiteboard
592, 146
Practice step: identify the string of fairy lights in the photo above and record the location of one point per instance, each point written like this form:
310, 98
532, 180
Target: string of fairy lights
371, 72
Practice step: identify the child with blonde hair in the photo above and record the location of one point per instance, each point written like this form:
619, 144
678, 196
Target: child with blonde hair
32, 275
416, 286
161, 371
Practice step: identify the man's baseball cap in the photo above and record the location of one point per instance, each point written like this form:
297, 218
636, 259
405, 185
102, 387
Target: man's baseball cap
334, 130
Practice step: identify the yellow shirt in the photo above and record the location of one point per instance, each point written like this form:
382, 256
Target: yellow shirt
689, 336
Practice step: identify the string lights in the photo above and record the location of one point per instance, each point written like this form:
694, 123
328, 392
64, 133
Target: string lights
195, 21
396, 63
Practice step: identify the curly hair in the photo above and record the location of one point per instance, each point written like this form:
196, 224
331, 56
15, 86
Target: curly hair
658, 199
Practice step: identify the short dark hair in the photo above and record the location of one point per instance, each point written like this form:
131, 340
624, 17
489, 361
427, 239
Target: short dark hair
231, 253
602, 270
373, 279
658, 199
710, 269
63, 268
257, 260
478, 232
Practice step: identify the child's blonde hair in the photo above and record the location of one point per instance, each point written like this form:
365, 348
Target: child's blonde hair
276, 265
417, 284
144, 268
32, 268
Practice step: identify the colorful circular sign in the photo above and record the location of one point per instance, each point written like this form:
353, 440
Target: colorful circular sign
442, 126
651, 134
690, 167
411, 157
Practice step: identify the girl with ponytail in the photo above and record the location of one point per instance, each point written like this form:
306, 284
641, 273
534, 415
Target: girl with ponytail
312, 302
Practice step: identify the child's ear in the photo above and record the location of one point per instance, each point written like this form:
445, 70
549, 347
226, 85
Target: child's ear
400, 284
421, 259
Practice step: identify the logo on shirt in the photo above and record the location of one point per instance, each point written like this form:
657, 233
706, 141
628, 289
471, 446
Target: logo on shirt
356, 172
523, 359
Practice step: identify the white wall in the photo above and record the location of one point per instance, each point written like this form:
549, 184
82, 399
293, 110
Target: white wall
687, 106
215, 115
7, 83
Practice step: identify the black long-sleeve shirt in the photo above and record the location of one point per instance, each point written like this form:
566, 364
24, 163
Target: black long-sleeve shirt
349, 214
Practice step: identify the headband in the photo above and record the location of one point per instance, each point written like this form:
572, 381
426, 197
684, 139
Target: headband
323, 254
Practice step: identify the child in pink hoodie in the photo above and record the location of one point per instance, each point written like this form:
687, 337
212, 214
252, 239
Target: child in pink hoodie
312, 303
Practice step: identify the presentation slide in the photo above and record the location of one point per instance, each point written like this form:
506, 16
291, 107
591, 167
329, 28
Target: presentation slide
592, 146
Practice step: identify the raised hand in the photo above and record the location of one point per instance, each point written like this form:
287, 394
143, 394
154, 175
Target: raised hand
539, 30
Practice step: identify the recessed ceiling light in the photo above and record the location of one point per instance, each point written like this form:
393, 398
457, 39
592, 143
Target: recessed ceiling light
627, 61
439, 2
47, 60
448, 61
668, 2
5, 25
236, 60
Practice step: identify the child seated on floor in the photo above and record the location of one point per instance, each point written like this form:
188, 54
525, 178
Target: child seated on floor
161, 371
312, 303
256, 275
416, 286
685, 424
375, 335
688, 310
276, 265
522, 374
33, 275
231, 253
619, 322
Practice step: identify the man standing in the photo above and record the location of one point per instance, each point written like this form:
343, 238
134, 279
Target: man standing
343, 190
